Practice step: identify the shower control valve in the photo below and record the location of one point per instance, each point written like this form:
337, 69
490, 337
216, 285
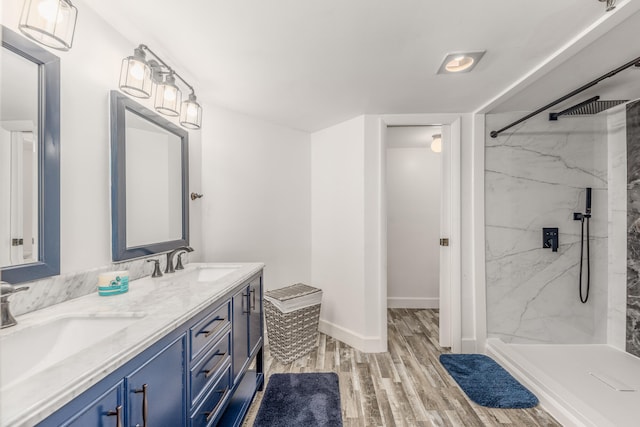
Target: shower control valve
550, 238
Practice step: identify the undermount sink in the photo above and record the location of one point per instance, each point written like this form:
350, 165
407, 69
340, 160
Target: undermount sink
35, 348
204, 274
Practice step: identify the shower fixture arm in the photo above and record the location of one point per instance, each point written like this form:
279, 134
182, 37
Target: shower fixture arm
636, 62
165, 65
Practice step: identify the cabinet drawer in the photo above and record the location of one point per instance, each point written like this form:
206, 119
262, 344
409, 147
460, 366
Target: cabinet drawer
210, 408
209, 328
207, 369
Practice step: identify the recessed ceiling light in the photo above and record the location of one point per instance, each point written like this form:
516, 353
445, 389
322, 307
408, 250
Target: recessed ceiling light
460, 62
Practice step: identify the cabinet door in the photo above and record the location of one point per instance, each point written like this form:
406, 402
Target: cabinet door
103, 412
255, 316
156, 391
240, 331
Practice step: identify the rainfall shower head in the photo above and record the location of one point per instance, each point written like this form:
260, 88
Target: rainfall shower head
587, 108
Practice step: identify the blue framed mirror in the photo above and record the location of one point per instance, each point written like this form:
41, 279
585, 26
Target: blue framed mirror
29, 160
149, 181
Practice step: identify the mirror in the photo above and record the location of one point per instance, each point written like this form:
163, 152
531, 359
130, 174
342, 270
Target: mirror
29, 160
149, 181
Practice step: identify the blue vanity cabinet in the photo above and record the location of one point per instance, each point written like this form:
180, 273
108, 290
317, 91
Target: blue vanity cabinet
156, 390
204, 373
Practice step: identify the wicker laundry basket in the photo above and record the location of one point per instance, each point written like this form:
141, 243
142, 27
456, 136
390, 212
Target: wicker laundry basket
292, 334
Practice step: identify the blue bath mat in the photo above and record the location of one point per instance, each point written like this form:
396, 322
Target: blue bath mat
486, 382
301, 400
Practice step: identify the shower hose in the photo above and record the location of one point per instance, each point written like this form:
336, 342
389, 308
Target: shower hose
586, 297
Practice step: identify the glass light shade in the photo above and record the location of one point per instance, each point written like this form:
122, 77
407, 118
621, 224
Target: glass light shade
135, 77
168, 97
191, 113
436, 144
459, 63
49, 22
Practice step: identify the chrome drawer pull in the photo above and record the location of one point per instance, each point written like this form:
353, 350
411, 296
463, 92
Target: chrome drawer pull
118, 414
209, 372
145, 405
208, 333
210, 414
253, 303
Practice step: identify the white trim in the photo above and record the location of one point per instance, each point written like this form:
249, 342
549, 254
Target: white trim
404, 302
454, 121
355, 340
455, 243
478, 259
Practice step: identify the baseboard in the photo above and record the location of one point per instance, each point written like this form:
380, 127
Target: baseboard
402, 302
355, 340
468, 346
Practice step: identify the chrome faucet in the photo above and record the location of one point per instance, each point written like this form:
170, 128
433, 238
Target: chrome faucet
6, 290
170, 267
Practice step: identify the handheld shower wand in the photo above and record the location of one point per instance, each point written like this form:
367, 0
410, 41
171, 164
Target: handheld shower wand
584, 217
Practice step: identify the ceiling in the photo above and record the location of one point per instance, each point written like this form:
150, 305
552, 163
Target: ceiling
614, 49
311, 64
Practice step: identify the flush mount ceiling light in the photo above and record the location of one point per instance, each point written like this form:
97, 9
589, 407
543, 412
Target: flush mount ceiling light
436, 144
460, 62
138, 76
49, 22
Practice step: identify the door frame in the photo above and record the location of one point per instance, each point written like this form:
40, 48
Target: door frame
453, 121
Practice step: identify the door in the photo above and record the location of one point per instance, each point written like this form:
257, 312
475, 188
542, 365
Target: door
240, 327
156, 391
255, 315
445, 233
105, 411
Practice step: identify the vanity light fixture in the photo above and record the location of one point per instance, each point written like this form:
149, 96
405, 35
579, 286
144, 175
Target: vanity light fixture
436, 144
168, 96
191, 113
49, 22
138, 76
460, 62
135, 75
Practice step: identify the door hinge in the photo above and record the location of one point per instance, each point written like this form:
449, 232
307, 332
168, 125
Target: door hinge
444, 242
17, 242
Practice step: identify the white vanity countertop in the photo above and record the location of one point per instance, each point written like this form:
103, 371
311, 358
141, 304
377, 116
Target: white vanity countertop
164, 304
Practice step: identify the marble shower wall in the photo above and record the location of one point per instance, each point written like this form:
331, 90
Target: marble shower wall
535, 177
633, 226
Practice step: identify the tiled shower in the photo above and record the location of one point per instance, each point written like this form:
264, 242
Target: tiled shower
535, 177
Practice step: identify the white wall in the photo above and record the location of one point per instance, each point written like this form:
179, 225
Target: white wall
413, 223
617, 227
88, 72
257, 205
337, 228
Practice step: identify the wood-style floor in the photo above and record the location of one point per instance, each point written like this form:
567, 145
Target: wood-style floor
407, 386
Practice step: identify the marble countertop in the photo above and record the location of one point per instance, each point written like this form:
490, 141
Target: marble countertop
159, 306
